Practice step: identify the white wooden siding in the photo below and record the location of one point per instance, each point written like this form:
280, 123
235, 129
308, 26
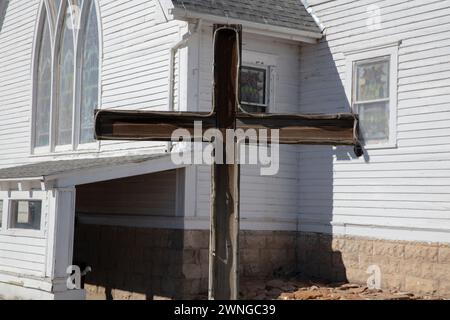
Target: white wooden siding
22, 255
24, 251
136, 60
16, 43
401, 193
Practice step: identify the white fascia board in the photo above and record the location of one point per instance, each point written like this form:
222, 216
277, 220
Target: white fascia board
252, 27
39, 179
98, 174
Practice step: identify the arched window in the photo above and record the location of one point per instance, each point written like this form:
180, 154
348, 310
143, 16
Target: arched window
64, 100
89, 76
43, 85
65, 79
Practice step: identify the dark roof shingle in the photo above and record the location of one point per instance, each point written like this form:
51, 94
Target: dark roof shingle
282, 13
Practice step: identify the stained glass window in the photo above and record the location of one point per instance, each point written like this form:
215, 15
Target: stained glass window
65, 82
89, 82
54, 6
371, 99
43, 87
79, 3
57, 3
253, 89
62, 102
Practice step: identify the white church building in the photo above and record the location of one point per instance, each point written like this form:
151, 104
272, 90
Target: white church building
141, 222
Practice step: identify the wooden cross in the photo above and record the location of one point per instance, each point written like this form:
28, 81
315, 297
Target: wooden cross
338, 129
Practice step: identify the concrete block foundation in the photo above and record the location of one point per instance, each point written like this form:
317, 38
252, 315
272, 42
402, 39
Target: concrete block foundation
420, 268
141, 263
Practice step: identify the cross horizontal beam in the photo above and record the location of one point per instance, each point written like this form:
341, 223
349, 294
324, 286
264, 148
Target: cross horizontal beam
322, 129
146, 125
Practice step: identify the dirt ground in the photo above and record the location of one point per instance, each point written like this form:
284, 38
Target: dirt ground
295, 289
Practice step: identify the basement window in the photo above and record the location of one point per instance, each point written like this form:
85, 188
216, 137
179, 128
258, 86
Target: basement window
25, 214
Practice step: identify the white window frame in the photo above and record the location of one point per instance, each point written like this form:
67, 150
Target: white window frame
361, 54
11, 213
254, 59
34, 69
7, 213
95, 145
55, 32
4, 214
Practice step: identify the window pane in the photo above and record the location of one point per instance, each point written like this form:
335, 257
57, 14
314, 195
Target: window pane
374, 122
26, 214
76, 12
372, 80
54, 6
253, 85
89, 83
57, 3
43, 88
66, 81
79, 3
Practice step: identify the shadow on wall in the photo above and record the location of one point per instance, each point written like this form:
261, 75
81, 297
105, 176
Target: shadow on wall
130, 263
320, 257
3, 7
129, 258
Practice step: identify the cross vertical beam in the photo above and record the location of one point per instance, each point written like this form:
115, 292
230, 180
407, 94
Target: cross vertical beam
224, 231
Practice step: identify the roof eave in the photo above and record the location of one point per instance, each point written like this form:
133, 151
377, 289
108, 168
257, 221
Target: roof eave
251, 27
68, 178
111, 172
39, 179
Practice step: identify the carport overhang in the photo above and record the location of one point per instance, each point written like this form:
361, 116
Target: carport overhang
48, 175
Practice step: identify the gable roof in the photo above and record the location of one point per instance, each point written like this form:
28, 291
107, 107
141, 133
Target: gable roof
289, 14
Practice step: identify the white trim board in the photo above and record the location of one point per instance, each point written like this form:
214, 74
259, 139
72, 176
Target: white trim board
395, 233
186, 223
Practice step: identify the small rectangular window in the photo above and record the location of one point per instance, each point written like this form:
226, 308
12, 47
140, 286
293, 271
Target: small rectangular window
26, 214
254, 83
371, 98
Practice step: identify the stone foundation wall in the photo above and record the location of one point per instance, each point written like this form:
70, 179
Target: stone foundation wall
416, 267
141, 263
